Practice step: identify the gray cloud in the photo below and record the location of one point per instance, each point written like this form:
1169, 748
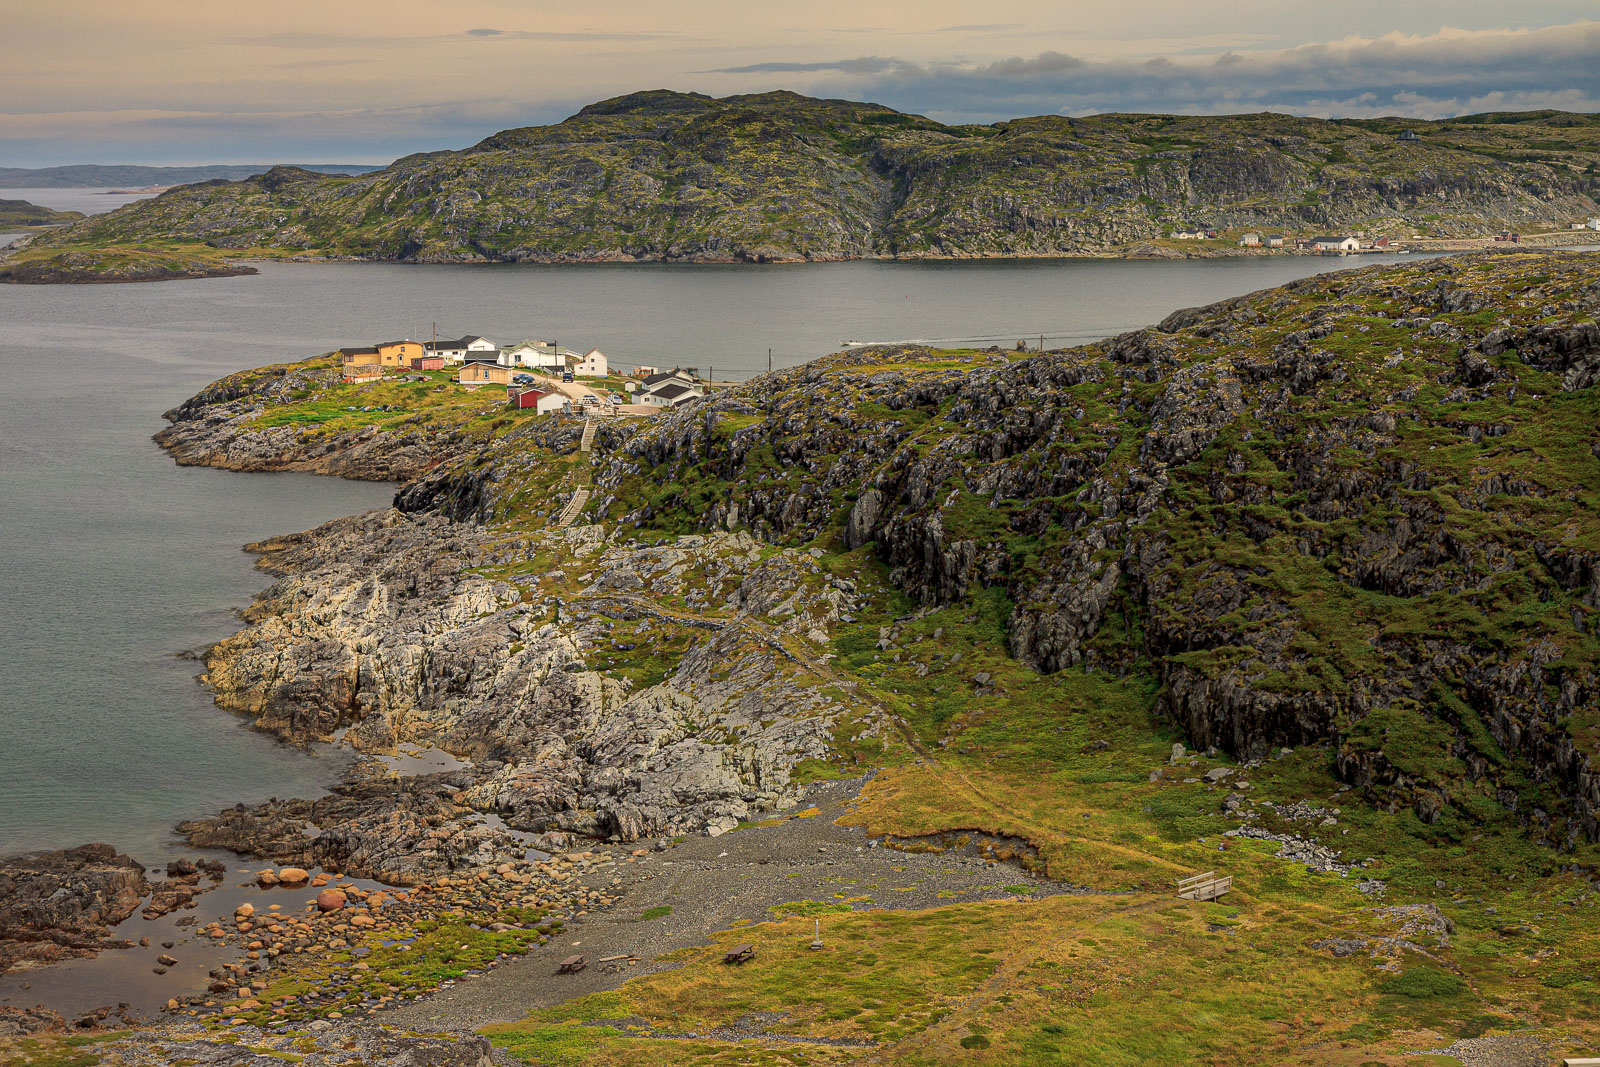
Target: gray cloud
1451, 72
863, 65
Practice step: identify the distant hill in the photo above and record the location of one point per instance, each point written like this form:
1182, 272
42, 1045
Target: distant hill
94, 176
22, 213
779, 176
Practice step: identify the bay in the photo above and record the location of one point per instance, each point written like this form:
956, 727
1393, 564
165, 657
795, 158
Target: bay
90, 201
113, 560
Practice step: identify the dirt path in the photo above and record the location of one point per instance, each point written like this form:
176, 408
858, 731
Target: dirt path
709, 883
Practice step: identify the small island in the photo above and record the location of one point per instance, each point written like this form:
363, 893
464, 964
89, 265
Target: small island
24, 215
116, 264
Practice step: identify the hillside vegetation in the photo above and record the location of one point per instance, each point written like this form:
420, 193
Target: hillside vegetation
21, 213
777, 176
1300, 587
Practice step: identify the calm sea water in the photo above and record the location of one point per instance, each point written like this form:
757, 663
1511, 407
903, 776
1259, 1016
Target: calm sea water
113, 559
88, 201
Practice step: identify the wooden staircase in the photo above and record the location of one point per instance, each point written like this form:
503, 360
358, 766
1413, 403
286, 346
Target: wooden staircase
589, 427
573, 509
1206, 886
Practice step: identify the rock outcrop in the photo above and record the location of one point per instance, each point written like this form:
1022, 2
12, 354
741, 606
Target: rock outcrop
1311, 509
62, 904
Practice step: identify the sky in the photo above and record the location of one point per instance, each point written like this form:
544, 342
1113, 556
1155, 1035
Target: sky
366, 81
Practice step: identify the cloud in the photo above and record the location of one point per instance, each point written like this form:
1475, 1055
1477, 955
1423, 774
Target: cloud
864, 65
320, 40
1447, 73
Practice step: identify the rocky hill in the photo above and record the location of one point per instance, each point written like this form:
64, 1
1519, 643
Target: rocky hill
1357, 510
777, 176
961, 658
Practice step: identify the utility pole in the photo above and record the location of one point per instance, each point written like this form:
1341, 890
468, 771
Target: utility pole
436, 335
769, 361
711, 376
1041, 342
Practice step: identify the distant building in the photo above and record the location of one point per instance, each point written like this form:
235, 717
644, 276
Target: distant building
1380, 242
427, 363
1275, 241
593, 364
457, 351
474, 373
1335, 244
670, 394
355, 373
357, 357
542, 401
541, 355
1250, 240
1408, 135
1594, 224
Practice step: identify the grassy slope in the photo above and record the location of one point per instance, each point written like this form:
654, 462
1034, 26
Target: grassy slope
665, 175
1064, 760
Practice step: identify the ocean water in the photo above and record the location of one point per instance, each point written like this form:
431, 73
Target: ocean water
88, 201
113, 560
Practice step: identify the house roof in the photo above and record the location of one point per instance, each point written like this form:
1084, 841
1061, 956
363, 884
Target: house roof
482, 357
391, 344
671, 391
1328, 240
365, 351
667, 376
458, 343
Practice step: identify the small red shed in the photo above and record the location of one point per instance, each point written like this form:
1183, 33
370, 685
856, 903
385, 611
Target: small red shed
427, 363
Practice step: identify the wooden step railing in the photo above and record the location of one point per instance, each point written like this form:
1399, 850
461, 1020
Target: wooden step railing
1207, 886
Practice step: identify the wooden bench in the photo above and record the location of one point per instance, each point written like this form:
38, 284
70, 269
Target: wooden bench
572, 965
1207, 886
740, 954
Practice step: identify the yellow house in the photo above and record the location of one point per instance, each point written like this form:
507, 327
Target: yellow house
399, 353
358, 357
383, 354
485, 374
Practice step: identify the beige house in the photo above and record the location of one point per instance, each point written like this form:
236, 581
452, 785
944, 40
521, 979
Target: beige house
485, 374
383, 354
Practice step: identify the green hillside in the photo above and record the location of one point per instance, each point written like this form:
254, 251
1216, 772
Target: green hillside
777, 176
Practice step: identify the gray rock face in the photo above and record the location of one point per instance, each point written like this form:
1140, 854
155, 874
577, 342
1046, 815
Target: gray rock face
60, 905
1180, 476
384, 631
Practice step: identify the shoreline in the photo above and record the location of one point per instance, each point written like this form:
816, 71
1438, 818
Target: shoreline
243, 264
397, 621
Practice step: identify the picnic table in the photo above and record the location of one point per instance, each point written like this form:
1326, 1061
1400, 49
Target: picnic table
740, 954
572, 965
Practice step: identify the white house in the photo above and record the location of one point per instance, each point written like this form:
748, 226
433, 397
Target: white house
1275, 241
458, 350
1250, 240
1335, 244
593, 364
1594, 224
669, 394
539, 355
